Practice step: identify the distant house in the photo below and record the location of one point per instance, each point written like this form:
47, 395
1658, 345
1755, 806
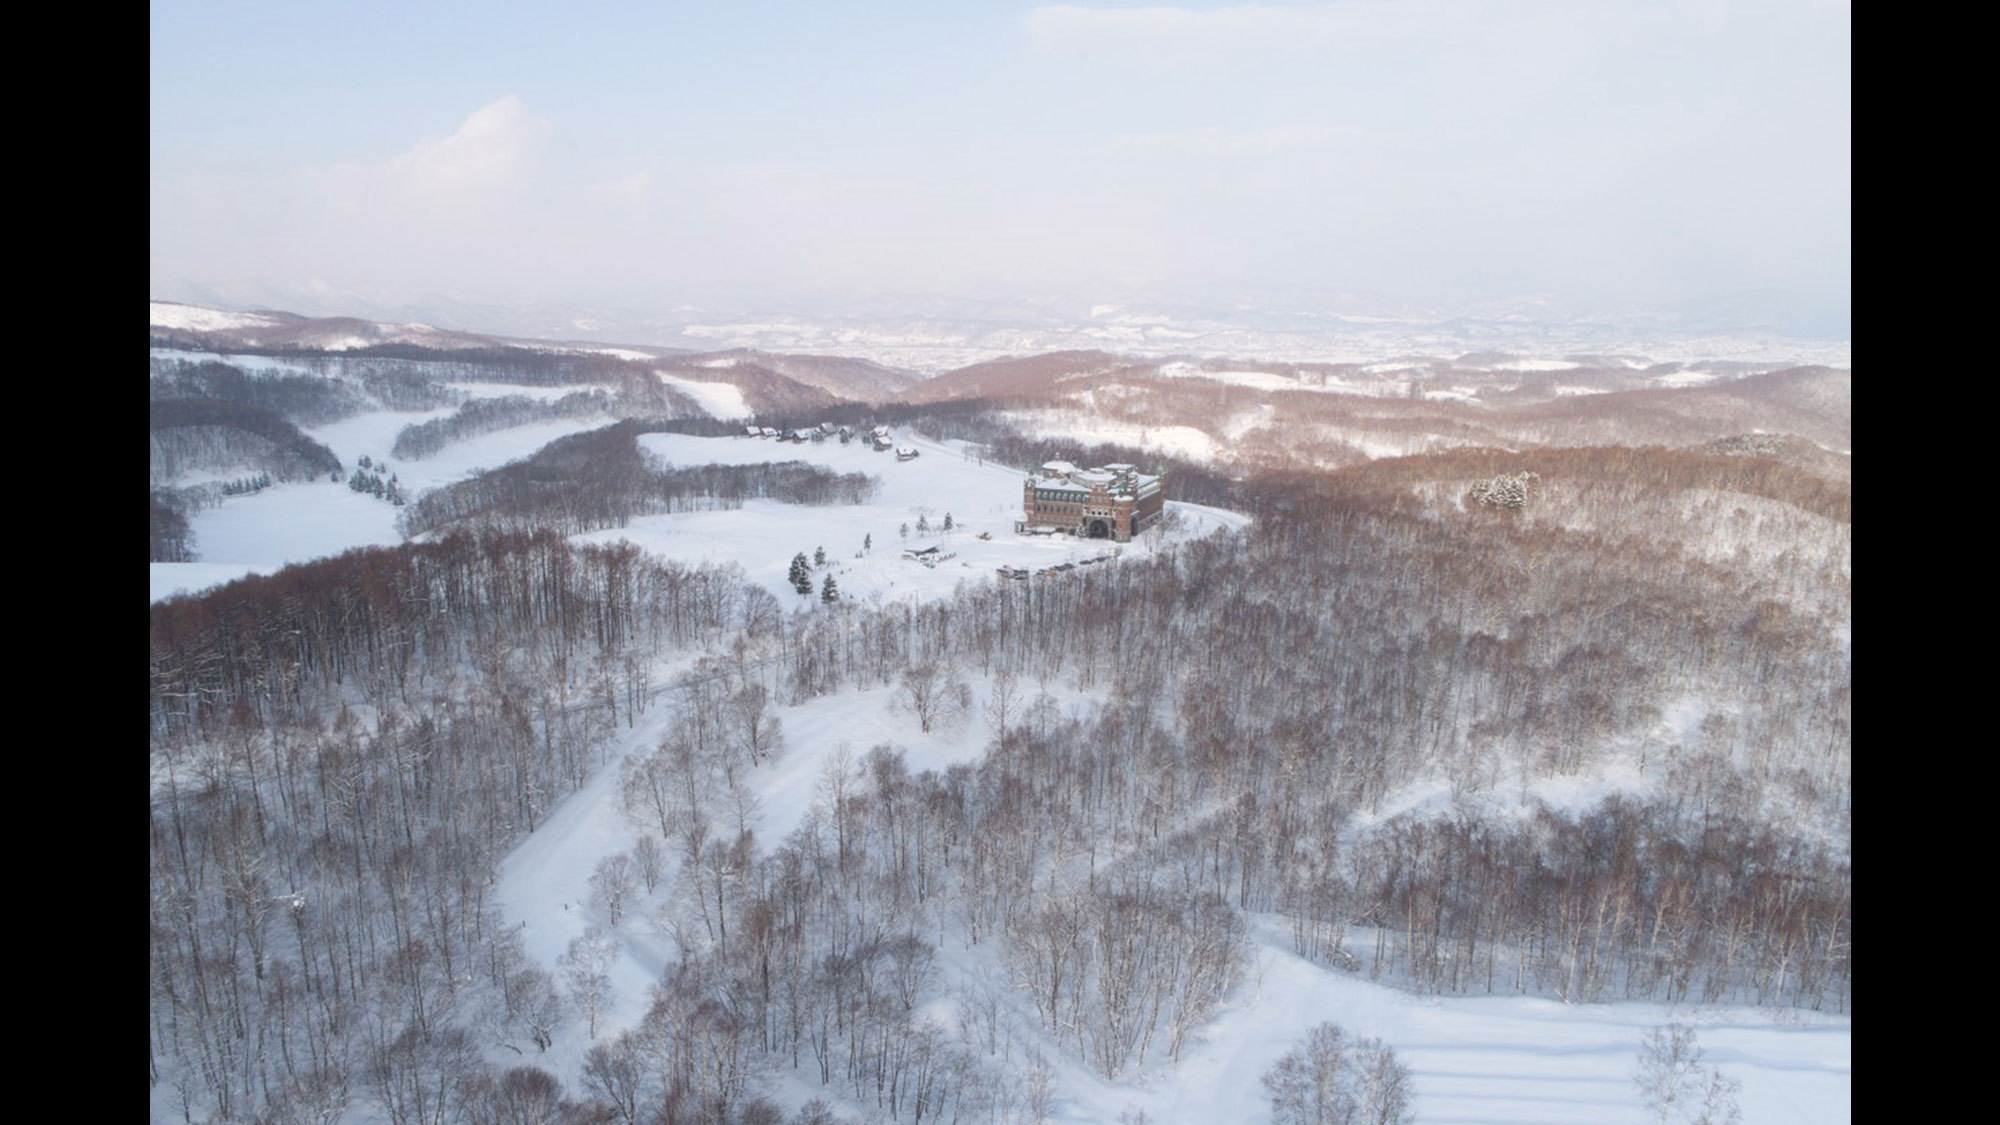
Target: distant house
1114, 502
905, 453
754, 431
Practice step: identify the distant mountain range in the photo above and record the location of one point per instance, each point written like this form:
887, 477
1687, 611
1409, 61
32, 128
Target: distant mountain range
935, 335
1272, 409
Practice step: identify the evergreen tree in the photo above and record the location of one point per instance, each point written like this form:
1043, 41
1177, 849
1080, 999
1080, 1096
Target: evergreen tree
801, 576
905, 529
923, 524
868, 542
947, 521
829, 593
819, 556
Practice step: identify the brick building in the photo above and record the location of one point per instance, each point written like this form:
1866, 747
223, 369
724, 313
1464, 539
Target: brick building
1114, 502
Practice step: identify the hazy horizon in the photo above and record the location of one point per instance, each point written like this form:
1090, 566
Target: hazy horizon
1421, 158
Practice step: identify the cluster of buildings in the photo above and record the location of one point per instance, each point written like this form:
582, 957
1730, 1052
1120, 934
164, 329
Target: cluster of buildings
1114, 502
877, 438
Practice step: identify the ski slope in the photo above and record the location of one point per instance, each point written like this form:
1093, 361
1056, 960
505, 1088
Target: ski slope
1475, 1061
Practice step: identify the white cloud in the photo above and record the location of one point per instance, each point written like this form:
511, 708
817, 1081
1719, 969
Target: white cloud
497, 145
486, 164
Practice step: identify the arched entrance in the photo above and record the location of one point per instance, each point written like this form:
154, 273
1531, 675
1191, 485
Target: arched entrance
1099, 530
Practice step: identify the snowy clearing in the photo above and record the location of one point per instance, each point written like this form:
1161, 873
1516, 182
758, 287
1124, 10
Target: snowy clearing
981, 497
1266, 381
171, 579
720, 400
1175, 441
305, 520
1531, 365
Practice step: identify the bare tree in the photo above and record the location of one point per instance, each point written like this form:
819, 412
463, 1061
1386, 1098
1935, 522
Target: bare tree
523, 1095
1001, 704
759, 733
1674, 1084
1386, 1089
1040, 1091
534, 1008
587, 971
612, 885
615, 1072
1330, 1079
649, 861
933, 693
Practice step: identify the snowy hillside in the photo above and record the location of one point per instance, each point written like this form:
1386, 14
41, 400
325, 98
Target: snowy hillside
1451, 744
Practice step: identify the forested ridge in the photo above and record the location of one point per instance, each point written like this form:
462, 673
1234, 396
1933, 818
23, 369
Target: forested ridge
601, 479
342, 752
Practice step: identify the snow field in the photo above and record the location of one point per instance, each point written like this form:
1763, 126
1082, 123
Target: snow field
1175, 441
194, 318
720, 400
304, 520
762, 536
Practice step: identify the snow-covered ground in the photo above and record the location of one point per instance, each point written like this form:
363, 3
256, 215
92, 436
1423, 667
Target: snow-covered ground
251, 364
981, 497
1267, 381
296, 522
305, 520
1475, 1061
1487, 1060
1484, 1060
1176, 441
194, 318
721, 400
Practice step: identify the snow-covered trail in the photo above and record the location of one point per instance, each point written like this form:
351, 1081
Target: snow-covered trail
1479, 1061
1475, 1060
543, 887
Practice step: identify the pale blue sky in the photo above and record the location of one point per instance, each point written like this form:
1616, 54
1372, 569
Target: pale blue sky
798, 157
